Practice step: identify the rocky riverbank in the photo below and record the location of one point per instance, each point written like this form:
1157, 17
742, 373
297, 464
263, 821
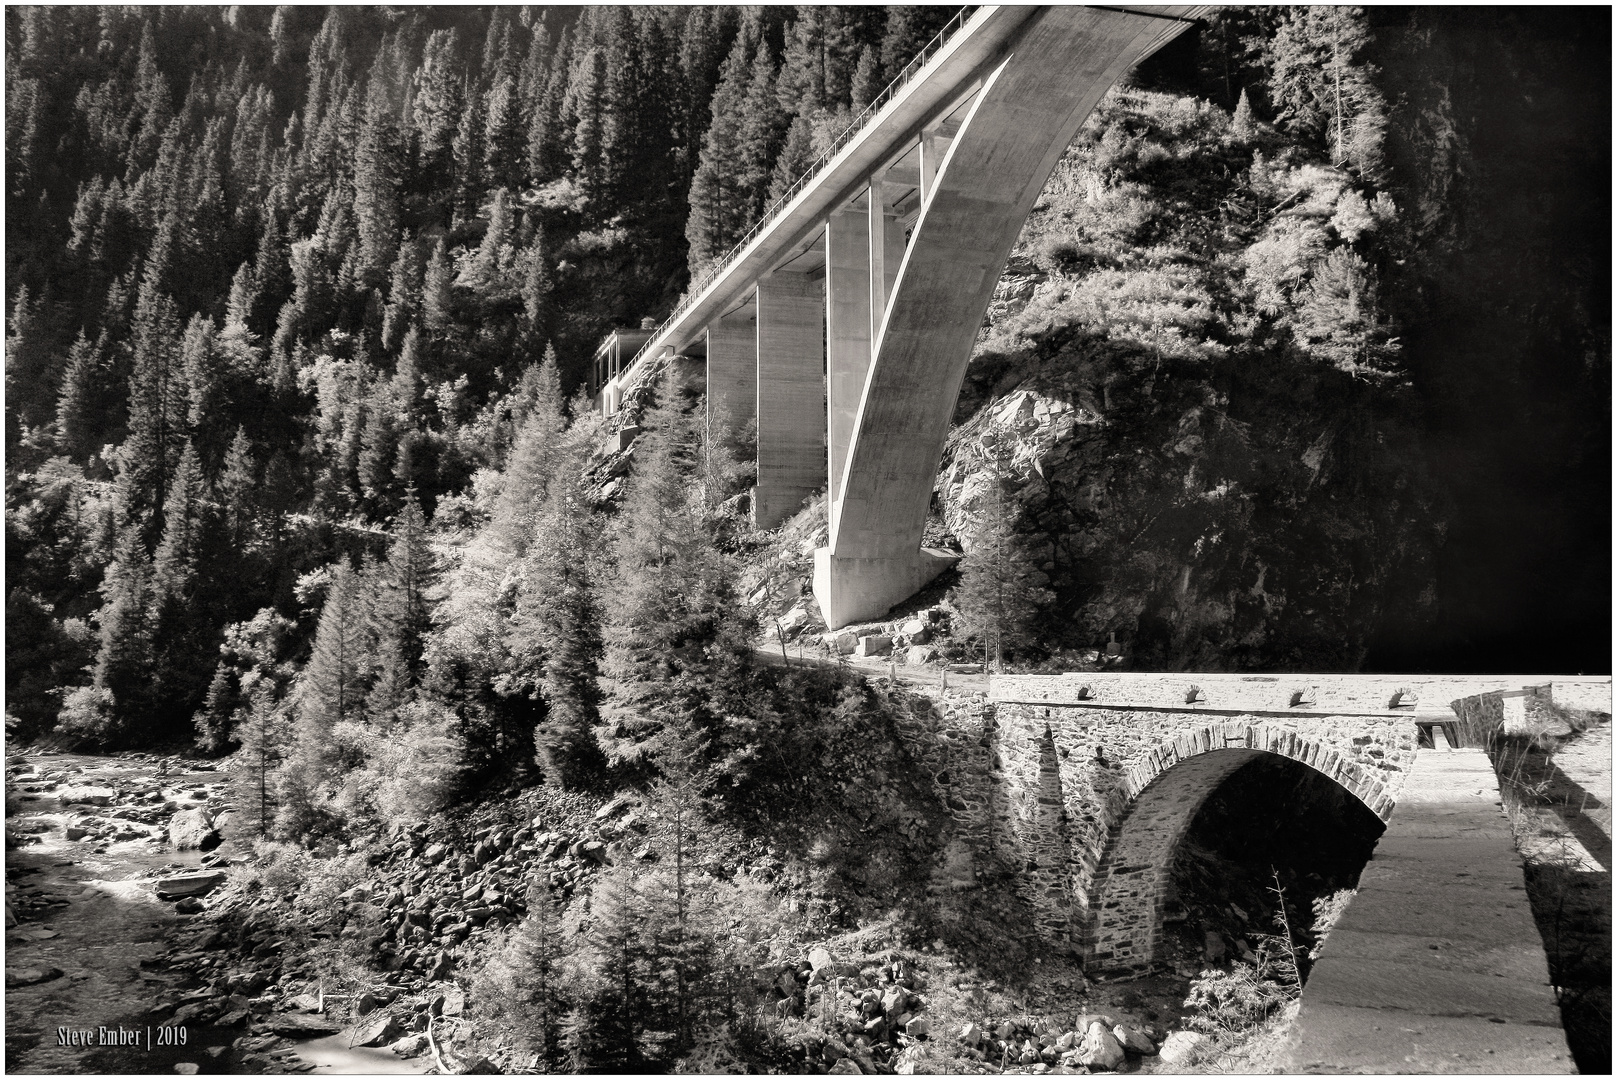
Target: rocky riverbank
87, 839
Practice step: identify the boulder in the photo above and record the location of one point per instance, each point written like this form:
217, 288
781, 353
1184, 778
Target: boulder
841, 642
301, 1025
410, 1045
189, 905
77, 832
917, 630
846, 1067
88, 796
1100, 1049
376, 1031
917, 1027
435, 853
874, 645
819, 958
971, 1034
192, 829
792, 623
181, 885
1182, 1047
916, 655
1134, 1040
31, 976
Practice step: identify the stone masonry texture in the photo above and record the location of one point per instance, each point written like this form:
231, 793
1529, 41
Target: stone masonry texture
1102, 773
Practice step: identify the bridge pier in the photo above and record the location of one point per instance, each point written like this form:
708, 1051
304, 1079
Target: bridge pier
791, 395
847, 330
732, 371
856, 589
939, 182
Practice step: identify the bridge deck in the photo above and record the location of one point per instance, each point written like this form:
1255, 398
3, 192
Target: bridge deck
1436, 966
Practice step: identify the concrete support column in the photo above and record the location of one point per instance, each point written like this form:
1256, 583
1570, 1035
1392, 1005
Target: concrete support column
848, 330
886, 252
934, 144
791, 395
860, 589
732, 371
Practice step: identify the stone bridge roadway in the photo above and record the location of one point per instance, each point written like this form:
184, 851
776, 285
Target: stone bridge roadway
1437, 965
1103, 774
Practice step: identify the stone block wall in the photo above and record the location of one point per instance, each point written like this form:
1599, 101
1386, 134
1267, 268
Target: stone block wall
1129, 758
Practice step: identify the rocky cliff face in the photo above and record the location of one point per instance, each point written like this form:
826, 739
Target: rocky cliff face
1193, 473
1499, 153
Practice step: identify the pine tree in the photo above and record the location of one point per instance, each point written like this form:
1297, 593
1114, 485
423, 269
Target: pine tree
534, 464
378, 170
494, 254
1338, 318
537, 286
31, 390
1002, 591
331, 687
179, 617
719, 204
613, 968
437, 308
909, 29
199, 366
158, 402
547, 139
539, 952
123, 661
557, 627
1242, 122
264, 733
468, 151
238, 487
506, 141
401, 616
795, 157
866, 82
760, 134
678, 637
1322, 89
435, 117
81, 410
403, 294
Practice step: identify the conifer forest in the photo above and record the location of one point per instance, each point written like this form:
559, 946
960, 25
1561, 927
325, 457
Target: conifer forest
304, 477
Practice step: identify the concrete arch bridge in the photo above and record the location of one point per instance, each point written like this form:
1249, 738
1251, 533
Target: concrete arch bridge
844, 322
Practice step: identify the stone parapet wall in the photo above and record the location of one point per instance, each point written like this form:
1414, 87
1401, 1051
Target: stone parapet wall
1341, 694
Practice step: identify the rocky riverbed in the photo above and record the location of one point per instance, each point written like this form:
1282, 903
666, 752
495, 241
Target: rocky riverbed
87, 841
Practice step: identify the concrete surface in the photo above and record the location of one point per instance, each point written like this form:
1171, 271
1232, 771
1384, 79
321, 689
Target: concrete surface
1436, 966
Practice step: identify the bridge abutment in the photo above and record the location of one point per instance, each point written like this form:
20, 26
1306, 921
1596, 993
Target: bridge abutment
857, 589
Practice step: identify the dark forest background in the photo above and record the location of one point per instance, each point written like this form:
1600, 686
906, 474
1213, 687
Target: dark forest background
285, 286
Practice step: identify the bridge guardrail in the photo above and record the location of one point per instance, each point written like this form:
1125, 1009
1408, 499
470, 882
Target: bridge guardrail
859, 123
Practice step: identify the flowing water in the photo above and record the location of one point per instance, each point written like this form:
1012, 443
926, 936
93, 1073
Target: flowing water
105, 921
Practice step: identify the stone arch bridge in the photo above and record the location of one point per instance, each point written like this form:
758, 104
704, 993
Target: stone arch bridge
1103, 774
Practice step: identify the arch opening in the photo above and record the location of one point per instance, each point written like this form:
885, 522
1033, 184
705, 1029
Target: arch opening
1134, 891
1272, 823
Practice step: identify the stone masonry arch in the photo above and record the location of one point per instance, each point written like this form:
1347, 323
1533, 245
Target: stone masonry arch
1121, 925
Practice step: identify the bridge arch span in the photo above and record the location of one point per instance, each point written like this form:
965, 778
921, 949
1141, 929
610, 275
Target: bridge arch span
1121, 899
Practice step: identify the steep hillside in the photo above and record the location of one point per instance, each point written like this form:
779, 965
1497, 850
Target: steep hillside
1201, 420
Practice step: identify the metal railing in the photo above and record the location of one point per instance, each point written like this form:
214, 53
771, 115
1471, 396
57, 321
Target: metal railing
817, 166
